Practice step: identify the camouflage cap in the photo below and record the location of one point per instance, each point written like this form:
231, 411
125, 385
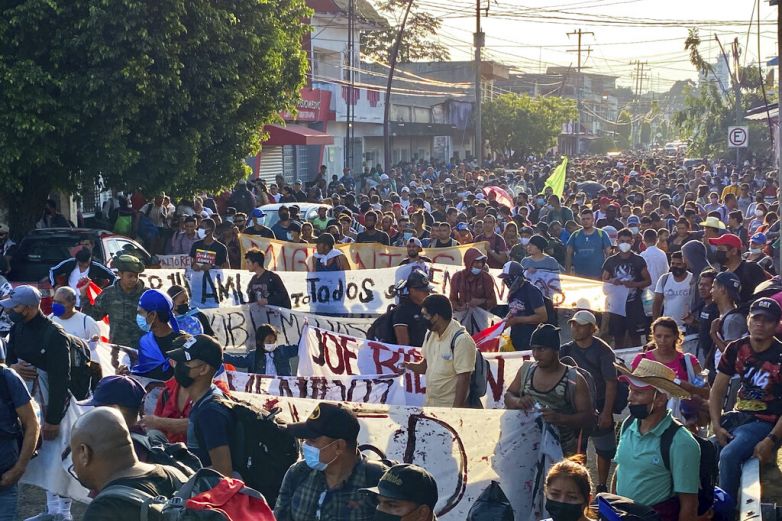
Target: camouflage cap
128, 263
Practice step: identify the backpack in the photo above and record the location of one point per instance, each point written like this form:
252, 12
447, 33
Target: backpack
16, 430
160, 452
206, 496
146, 228
571, 387
622, 388
611, 507
84, 373
382, 329
551, 312
124, 225
708, 464
491, 505
262, 450
479, 378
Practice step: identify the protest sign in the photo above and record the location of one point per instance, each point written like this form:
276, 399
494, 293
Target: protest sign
291, 256
368, 291
235, 326
174, 262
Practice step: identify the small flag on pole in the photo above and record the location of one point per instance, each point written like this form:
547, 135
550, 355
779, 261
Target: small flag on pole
488, 340
557, 178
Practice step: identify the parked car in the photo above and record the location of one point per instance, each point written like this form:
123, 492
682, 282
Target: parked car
41, 249
307, 211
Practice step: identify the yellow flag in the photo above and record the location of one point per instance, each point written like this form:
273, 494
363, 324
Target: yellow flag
557, 178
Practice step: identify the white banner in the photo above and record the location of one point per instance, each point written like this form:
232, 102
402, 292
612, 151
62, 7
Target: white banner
174, 262
235, 326
360, 291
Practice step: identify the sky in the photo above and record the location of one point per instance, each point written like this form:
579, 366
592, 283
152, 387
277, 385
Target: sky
530, 35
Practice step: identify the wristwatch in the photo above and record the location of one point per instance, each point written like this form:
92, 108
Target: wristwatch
677, 381
773, 437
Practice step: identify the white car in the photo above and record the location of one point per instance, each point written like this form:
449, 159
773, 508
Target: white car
307, 211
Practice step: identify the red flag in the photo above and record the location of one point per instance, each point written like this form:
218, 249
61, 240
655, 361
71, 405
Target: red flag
488, 340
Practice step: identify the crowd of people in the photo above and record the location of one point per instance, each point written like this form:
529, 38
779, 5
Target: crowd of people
686, 257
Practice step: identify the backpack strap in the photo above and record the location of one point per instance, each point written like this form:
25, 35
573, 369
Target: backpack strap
571, 384
454, 338
626, 424
666, 440
665, 279
132, 495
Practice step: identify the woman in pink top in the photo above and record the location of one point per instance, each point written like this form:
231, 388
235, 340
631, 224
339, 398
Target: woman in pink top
665, 347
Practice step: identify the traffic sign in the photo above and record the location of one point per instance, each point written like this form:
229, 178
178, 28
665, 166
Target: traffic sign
738, 137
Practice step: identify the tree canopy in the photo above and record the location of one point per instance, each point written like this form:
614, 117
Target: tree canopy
521, 125
163, 95
417, 39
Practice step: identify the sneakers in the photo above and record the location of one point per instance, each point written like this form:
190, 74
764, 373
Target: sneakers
45, 516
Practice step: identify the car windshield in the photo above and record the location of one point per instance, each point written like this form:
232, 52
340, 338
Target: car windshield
37, 254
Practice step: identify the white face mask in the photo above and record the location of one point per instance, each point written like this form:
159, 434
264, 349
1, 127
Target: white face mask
201, 233
524, 241
634, 230
269, 347
758, 213
755, 251
624, 247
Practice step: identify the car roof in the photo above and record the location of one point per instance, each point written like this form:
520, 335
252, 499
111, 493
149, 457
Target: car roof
62, 232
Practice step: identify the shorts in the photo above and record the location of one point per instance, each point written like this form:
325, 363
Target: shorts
635, 323
603, 440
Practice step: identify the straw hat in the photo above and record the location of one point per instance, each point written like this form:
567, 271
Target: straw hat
654, 374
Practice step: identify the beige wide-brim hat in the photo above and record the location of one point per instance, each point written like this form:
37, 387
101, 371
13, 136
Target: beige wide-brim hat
654, 374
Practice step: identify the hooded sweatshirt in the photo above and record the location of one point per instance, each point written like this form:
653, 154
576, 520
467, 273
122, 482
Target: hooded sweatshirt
465, 286
694, 253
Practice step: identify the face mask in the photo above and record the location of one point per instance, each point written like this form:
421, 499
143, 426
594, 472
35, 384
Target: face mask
269, 347
229, 219
579, 201
564, 511
15, 316
642, 411
312, 456
475, 271
678, 271
540, 202
258, 221
58, 309
524, 241
183, 308
141, 322
201, 233
753, 251
758, 213
182, 375
634, 230
290, 236
721, 256
284, 217
624, 247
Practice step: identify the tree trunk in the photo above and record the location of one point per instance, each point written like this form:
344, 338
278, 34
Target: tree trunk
26, 207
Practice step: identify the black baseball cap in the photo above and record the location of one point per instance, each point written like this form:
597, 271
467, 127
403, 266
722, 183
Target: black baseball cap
121, 390
416, 280
407, 482
327, 419
198, 347
766, 306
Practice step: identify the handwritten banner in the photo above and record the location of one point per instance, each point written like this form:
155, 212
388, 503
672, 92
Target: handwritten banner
368, 291
174, 262
291, 256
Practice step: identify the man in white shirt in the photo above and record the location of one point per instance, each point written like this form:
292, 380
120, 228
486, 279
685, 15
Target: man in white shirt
656, 260
673, 292
74, 322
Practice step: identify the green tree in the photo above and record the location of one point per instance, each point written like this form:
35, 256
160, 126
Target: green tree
521, 125
165, 95
417, 39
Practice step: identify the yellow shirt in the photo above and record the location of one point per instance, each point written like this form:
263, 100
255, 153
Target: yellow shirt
730, 189
442, 364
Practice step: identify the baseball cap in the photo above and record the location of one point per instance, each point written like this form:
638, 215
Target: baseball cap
327, 419
511, 269
415, 241
257, 213
462, 227
417, 279
766, 306
729, 240
730, 281
121, 390
584, 317
22, 296
405, 189
759, 238
407, 482
545, 336
633, 220
198, 347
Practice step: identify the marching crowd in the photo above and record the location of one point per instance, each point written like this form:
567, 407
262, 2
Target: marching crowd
686, 257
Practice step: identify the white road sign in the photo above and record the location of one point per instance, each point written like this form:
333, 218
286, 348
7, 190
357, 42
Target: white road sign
738, 137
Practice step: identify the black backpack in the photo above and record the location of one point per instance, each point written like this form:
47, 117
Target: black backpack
262, 450
491, 505
479, 379
84, 373
708, 463
382, 329
170, 454
611, 507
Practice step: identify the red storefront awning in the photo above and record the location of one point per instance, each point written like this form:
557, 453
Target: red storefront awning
296, 135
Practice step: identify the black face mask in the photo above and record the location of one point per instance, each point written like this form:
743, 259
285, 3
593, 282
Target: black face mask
721, 256
678, 271
182, 375
183, 308
641, 410
14, 316
284, 216
564, 511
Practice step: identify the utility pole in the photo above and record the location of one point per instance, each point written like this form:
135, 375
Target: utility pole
351, 79
579, 85
479, 39
635, 128
387, 108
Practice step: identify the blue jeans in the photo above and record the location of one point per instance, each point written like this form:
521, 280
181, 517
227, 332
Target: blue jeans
8, 499
737, 451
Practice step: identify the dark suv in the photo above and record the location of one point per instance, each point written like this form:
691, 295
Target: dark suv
43, 249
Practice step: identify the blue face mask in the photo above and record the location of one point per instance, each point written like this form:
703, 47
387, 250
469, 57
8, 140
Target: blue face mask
58, 309
476, 271
141, 322
312, 456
